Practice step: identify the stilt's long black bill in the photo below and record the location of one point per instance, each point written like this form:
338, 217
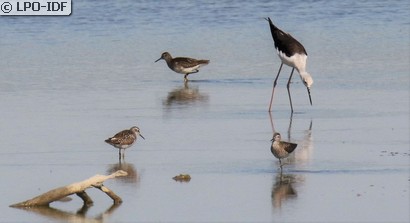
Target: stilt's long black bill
142, 137
310, 98
158, 60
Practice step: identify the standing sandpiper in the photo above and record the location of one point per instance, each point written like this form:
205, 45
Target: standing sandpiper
183, 65
281, 149
124, 139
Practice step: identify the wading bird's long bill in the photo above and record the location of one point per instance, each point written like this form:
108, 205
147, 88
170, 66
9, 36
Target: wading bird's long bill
310, 98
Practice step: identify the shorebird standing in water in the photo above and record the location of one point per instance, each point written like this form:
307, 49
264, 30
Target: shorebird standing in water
183, 65
124, 139
292, 53
281, 149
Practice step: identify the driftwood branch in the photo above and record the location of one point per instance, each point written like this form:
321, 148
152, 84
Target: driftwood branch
110, 193
75, 188
84, 196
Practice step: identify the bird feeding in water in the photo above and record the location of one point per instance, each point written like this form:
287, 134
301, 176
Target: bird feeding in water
183, 65
281, 149
292, 53
124, 139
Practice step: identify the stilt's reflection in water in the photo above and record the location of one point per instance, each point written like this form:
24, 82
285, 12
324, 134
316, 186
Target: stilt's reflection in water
305, 151
132, 177
282, 189
183, 96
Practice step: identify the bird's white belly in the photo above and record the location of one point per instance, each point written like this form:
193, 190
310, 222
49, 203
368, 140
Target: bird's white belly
185, 70
119, 146
297, 60
286, 60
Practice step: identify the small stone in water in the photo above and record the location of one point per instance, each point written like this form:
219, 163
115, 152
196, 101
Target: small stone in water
182, 177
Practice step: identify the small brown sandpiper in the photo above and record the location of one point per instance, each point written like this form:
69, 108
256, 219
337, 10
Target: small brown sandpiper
124, 139
183, 65
281, 149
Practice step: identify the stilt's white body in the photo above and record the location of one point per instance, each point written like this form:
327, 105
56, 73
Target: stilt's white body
297, 61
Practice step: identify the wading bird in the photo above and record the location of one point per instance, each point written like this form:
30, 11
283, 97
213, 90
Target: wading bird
124, 139
281, 149
183, 65
292, 53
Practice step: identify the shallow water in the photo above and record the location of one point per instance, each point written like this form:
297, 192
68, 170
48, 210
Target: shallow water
68, 83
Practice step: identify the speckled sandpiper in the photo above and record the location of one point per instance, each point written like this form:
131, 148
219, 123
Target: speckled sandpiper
124, 139
292, 53
183, 65
281, 149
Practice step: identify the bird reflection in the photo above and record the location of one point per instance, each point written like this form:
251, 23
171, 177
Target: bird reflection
184, 95
283, 189
289, 126
305, 146
132, 176
59, 215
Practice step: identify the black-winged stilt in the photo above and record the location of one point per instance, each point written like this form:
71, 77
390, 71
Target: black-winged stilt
292, 53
